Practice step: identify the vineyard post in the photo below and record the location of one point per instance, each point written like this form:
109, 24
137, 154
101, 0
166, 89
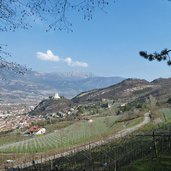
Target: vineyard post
155, 145
54, 155
51, 164
164, 117
162, 144
115, 165
45, 156
2, 157
169, 133
41, 159
141, 149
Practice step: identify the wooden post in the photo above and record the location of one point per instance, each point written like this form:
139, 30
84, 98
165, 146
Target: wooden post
155, 145
115, 165
41, 159
169, 139
164, 117
51, 164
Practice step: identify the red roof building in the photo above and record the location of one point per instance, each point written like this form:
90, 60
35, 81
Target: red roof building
34, 129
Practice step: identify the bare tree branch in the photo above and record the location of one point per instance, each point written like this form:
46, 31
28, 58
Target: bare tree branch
162, 56
14, 15
14, 12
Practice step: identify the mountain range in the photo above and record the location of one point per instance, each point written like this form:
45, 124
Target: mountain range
127, 90
34, 86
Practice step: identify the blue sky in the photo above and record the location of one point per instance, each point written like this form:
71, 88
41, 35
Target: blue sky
108, 45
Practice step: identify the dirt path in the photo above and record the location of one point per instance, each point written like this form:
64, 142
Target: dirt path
134, 128
120, 134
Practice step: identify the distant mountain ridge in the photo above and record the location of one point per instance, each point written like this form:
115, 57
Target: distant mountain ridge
122, 90
129, 90
34, 86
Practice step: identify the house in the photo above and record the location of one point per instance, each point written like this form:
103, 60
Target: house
123, 105
90, 120
107, 103
41, 131
61, 114
36, 130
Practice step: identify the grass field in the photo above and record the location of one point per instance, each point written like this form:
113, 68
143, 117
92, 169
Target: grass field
167, 113
75, 134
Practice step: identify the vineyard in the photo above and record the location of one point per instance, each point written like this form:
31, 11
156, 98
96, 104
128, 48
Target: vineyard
167, 113
114, 155
86, 144
78, 133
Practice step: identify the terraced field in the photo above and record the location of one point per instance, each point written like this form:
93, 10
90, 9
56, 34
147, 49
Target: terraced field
78, 133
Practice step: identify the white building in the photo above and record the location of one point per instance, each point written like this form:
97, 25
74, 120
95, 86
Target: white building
56, 96
41, 131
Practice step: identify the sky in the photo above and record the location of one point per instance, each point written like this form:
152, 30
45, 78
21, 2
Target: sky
108, 45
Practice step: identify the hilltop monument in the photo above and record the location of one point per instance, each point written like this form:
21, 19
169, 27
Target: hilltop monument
56, 96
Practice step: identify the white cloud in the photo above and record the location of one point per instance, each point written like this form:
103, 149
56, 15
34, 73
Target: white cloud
48, 56
81, 64
70, 62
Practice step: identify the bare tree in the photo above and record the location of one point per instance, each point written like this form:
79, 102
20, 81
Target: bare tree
10, 66
14, 15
